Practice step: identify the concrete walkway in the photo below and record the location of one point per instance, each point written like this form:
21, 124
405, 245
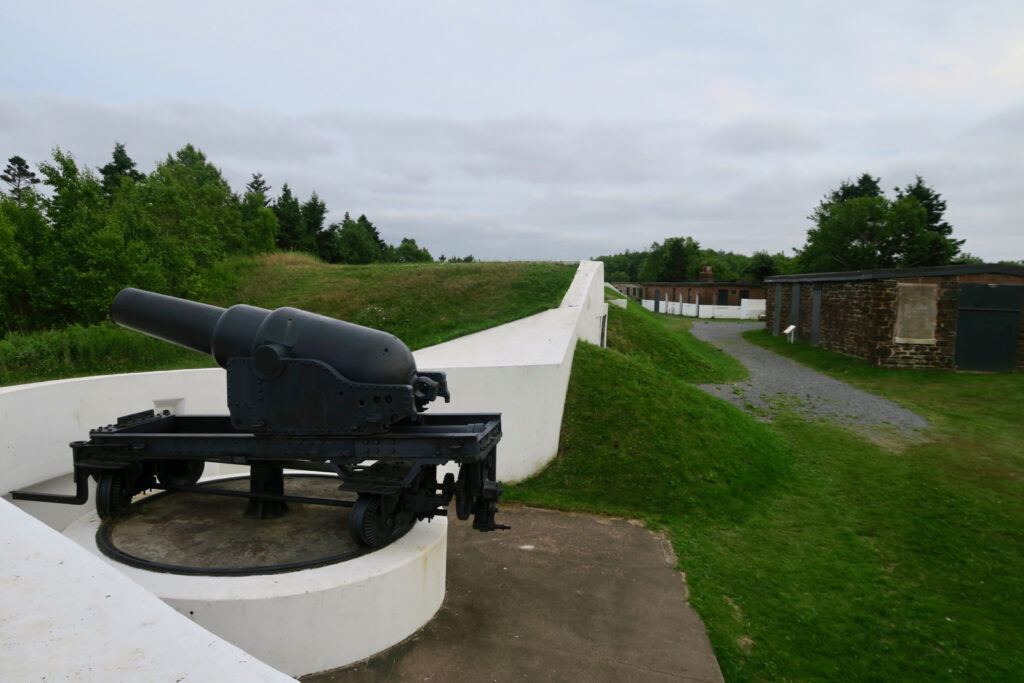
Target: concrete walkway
778, 383
559, 597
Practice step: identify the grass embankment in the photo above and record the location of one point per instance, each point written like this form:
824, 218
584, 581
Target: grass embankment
423, 304
813, 553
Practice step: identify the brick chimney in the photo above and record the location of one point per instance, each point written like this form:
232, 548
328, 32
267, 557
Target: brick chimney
707, 274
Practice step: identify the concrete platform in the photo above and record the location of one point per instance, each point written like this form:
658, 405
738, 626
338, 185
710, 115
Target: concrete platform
309, 620
563, 597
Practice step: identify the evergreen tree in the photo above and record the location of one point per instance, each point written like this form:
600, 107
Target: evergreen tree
866, 186
258, 220
19, 176
314, 213
258, 186
372, 230
120, 167
290, 228
857, 227
356, 244
939, 248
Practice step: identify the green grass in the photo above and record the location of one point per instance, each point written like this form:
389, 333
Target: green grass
812, 553
662, 340
423, 304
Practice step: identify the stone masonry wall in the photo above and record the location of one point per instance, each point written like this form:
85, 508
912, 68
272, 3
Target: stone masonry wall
858, 318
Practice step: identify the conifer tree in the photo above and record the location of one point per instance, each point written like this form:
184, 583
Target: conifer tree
19, 176
120, 166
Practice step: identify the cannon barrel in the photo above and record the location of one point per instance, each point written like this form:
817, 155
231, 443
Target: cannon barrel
360, 353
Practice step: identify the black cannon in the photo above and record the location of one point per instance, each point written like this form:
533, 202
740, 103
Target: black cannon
305, 392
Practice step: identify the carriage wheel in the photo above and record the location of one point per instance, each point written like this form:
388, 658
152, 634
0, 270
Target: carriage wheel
179, 472
112, 496
366, 522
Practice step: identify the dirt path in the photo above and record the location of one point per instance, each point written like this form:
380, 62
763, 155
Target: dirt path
778, 383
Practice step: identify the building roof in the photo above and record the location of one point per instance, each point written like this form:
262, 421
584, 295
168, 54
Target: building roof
888, 273
696, 283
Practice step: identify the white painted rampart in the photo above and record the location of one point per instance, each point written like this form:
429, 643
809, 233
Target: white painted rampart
520, 369
749, 309
67, 616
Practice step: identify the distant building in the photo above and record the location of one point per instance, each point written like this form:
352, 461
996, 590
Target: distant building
966, 317
704, 291
631, 289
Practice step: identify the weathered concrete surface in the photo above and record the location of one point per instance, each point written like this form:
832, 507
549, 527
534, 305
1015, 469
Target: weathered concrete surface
560, 597
211, 533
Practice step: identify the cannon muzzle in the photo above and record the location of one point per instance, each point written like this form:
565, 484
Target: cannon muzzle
361, 354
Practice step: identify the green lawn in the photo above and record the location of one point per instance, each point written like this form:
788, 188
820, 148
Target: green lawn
423, 304
812, 553
642, 336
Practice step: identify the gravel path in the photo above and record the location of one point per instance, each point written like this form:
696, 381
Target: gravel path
776, 382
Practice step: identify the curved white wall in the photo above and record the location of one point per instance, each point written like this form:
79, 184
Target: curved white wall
520, 370
311, 620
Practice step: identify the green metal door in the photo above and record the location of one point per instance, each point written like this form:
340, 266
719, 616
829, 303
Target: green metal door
988, 327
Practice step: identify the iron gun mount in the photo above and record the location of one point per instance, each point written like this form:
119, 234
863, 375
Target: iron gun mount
304, 392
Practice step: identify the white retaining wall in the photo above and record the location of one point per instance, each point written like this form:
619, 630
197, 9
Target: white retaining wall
752, 309
65, 615
749, 309
520, 370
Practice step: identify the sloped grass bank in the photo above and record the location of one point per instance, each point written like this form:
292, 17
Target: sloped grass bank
811, 553
423, 304
651, 445
642, 337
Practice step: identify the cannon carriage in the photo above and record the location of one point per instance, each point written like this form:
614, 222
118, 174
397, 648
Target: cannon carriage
305, 392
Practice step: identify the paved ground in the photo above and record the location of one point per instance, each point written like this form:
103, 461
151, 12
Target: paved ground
560, 597
776, 382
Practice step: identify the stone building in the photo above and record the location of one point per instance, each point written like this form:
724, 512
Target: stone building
966, 317
704, 291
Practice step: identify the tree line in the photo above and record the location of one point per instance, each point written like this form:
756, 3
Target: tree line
71, 237
854, 227
680, 259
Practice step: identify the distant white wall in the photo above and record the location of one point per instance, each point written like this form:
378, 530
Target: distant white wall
749, 309
752, 309
621, 303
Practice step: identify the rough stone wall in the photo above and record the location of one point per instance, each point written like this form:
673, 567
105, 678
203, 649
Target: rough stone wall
941, 354
858, 318
855, 316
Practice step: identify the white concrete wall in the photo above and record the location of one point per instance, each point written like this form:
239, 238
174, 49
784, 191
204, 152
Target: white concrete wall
752, 309
621, 303
67, 616
520, 370
749, 309
312, 620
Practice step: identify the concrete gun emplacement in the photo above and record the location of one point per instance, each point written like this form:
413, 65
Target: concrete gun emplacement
304, 392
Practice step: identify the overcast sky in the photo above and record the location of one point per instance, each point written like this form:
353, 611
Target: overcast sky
544, 130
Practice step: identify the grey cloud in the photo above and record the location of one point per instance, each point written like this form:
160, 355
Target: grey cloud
541, 187
750, 137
